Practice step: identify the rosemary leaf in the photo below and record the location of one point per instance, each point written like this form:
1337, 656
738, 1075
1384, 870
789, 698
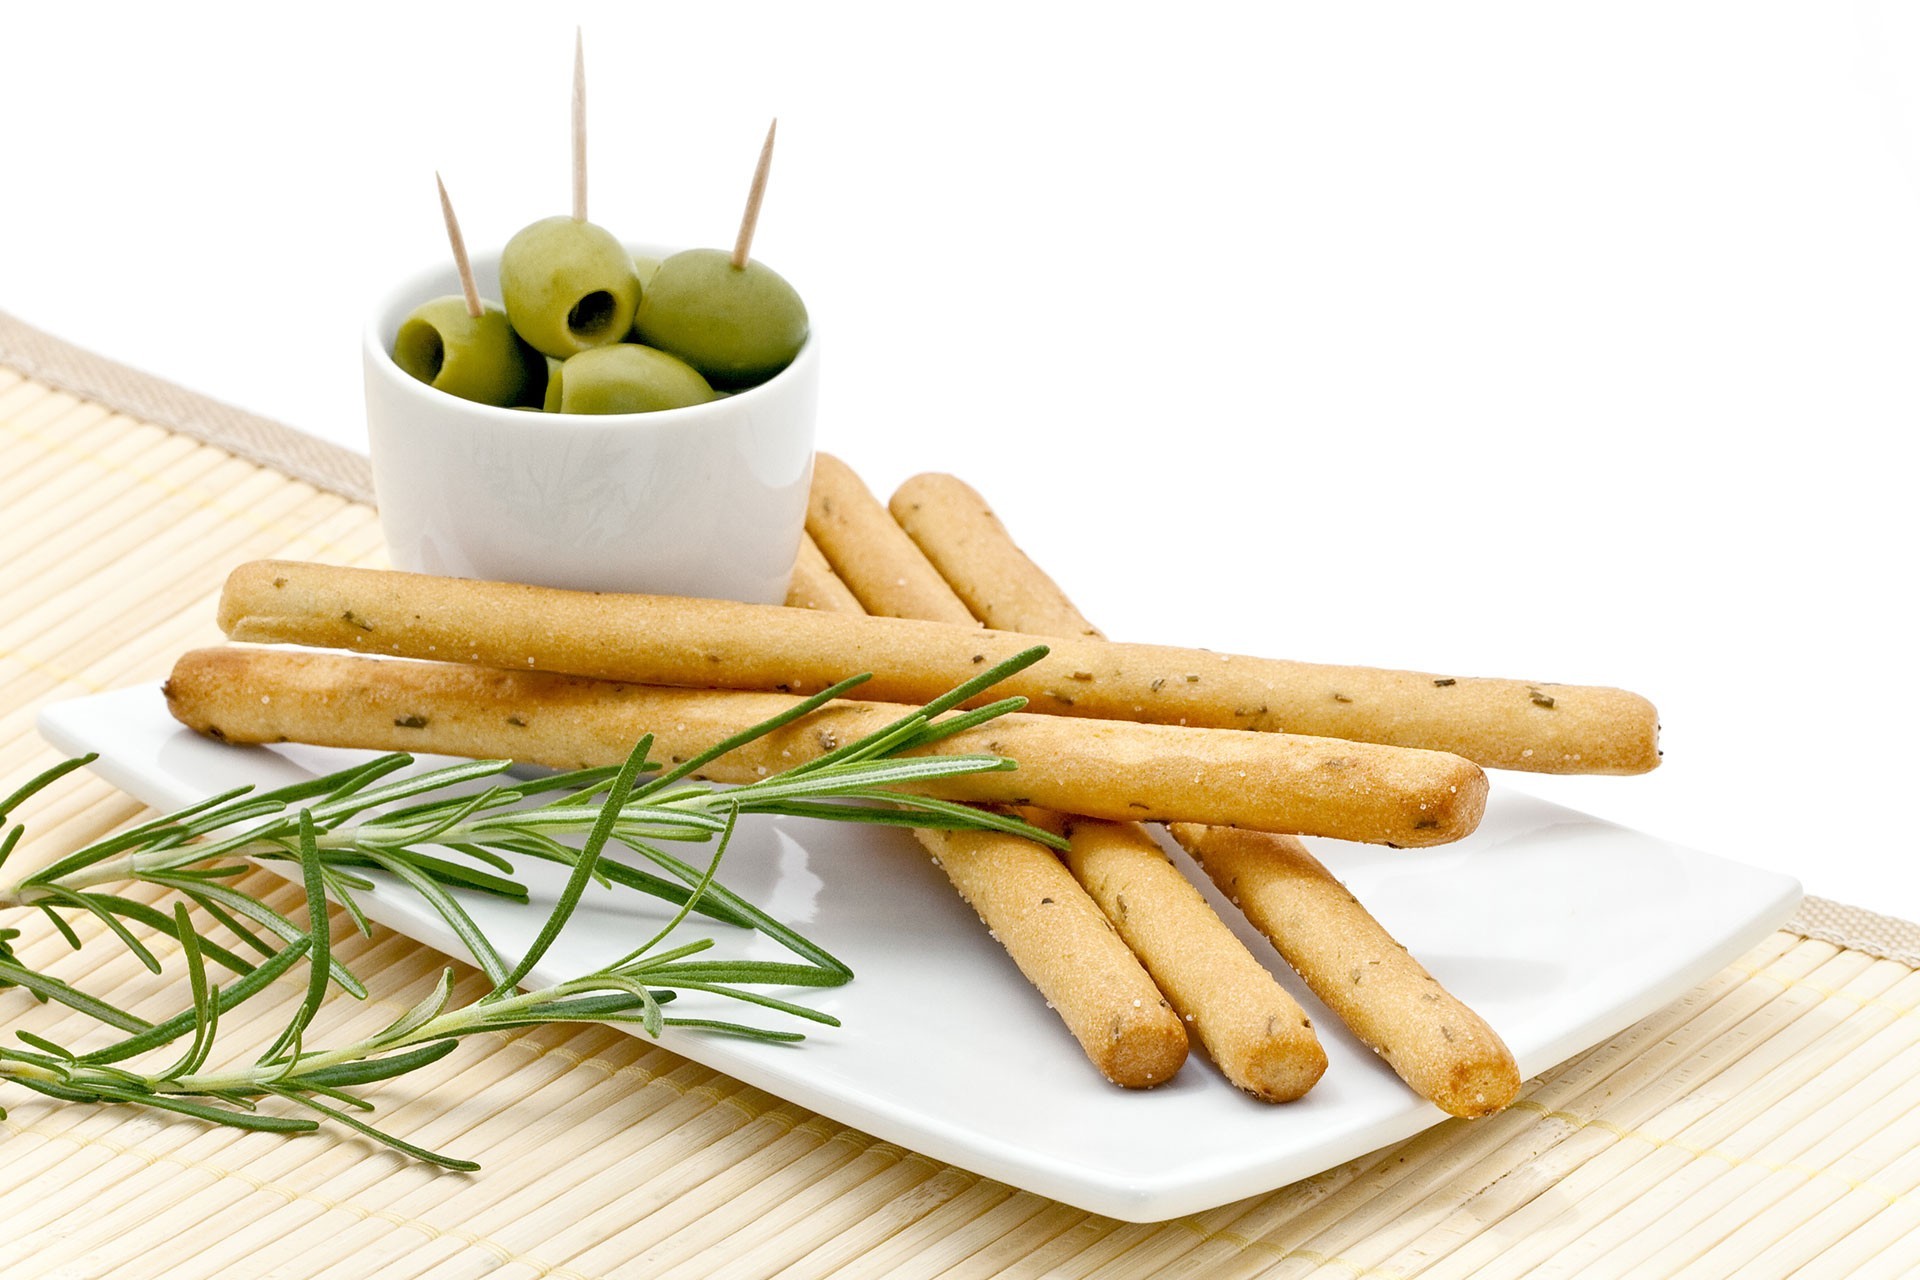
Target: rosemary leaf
583, 868
319, 935
434, 835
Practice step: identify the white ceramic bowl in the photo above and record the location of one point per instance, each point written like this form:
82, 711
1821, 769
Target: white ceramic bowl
708, 500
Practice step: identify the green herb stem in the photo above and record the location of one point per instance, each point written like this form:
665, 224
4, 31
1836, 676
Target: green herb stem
371, 817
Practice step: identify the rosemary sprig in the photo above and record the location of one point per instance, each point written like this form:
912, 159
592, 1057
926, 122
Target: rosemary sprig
371, 818
633, 989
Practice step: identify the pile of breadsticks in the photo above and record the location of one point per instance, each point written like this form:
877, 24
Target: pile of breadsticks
1237, 755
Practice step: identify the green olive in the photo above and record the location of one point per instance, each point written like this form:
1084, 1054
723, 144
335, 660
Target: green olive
550, 402
477, 358
569, 286
737, 325
646, 267
628, 378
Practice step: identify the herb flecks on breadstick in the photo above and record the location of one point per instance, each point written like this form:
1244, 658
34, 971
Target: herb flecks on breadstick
1441, 1048
961, 537
1105, 770
1253, 1030
714, 643
1068, 950
1043, 919
870, 554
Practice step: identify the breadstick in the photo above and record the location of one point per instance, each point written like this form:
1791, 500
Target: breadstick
1441, 1048
716, 643
1255, 1032
1102, 769
956, 530
815, 585
1054, 934
849, 525
1068, 950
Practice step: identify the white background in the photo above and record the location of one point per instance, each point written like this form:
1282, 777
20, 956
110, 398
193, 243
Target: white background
1577, 343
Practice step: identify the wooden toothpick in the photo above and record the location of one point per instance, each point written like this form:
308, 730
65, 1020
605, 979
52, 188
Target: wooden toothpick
579, 127
754, 195
459, 244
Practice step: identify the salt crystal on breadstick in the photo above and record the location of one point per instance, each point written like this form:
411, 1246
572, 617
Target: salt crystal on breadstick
1253, 1030
1049, 927
722, 644
1099, 768
1442, 1049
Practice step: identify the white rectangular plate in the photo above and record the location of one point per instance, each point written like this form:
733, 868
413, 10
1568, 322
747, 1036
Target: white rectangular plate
1559, 928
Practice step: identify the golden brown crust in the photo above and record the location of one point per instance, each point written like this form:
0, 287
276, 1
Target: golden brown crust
1047, 925
1257, 1034
1068, 950
857, 537
1441, 1048
1054, 933
1104, 769
956, 530
712, 643
815, 585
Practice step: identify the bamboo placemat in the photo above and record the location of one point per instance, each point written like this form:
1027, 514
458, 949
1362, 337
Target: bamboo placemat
1765, 1125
